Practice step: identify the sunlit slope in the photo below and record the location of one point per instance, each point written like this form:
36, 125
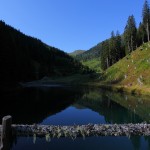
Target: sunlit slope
93, 64
132, 71
91, 58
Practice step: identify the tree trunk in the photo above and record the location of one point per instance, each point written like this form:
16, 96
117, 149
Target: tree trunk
128, 46
131, 43
143, 39
107, 62
147, 31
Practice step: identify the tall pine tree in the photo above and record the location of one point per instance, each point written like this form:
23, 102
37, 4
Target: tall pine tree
105, 55
141, 34
130, 34
146, 18
119, 47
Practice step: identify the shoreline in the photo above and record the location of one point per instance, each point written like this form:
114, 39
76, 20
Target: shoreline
83, 80
121, 89
129, 90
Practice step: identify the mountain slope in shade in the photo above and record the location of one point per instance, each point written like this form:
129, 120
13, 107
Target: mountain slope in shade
24, 58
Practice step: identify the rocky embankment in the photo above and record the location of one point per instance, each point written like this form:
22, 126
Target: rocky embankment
83, 130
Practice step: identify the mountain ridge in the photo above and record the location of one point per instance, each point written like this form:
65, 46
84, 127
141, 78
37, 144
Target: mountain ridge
25, 58
77, 52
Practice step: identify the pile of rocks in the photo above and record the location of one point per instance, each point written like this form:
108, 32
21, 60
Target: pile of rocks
74, 131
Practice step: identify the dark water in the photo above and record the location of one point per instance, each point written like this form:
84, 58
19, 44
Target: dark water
68, 106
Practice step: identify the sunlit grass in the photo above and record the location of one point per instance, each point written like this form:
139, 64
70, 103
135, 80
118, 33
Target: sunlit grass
93, 64
132, 72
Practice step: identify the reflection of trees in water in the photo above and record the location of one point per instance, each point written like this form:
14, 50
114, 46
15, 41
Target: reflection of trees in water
148, 140
32, 105
113, 112
106, 104
140, 105
137, 142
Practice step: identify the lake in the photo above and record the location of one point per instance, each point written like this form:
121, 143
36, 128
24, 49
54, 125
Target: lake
75, 105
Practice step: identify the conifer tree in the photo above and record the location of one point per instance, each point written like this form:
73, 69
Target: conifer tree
119, 50
130, 34
141, 34
105, 55
146, 17
112, 49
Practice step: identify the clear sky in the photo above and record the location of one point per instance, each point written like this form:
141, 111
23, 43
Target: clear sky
70, 24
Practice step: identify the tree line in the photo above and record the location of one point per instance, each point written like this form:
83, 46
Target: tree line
118, 46
24, 58
92, 53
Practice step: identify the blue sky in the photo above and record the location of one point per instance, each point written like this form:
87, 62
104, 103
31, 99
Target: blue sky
70, 24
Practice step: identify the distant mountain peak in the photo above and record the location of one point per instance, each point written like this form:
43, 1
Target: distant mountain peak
77, 52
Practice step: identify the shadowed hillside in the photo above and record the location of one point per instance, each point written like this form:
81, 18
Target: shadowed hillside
24, 58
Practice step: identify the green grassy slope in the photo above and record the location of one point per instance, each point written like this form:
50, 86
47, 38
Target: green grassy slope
93, 64
132, 72
91, 58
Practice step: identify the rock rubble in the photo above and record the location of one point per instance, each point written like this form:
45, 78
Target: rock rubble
74, 131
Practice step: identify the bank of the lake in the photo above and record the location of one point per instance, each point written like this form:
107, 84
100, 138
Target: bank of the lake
91, 80
126, 89
130, 74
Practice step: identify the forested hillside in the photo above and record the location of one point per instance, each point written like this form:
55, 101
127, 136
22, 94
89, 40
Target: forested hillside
131, 72
24, 58
93, 52
111, 50
91, 58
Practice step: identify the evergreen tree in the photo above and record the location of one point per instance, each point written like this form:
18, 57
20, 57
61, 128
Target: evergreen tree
141, 34
105, 56
119, 47
130, 34
146, 17
112, 48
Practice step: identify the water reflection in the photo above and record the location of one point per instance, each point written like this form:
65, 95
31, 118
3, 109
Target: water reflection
66, 106
140, 105
45, 102
101, 102
32, 105
92, 143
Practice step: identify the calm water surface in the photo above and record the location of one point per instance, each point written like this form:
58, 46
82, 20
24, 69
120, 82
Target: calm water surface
69, 106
